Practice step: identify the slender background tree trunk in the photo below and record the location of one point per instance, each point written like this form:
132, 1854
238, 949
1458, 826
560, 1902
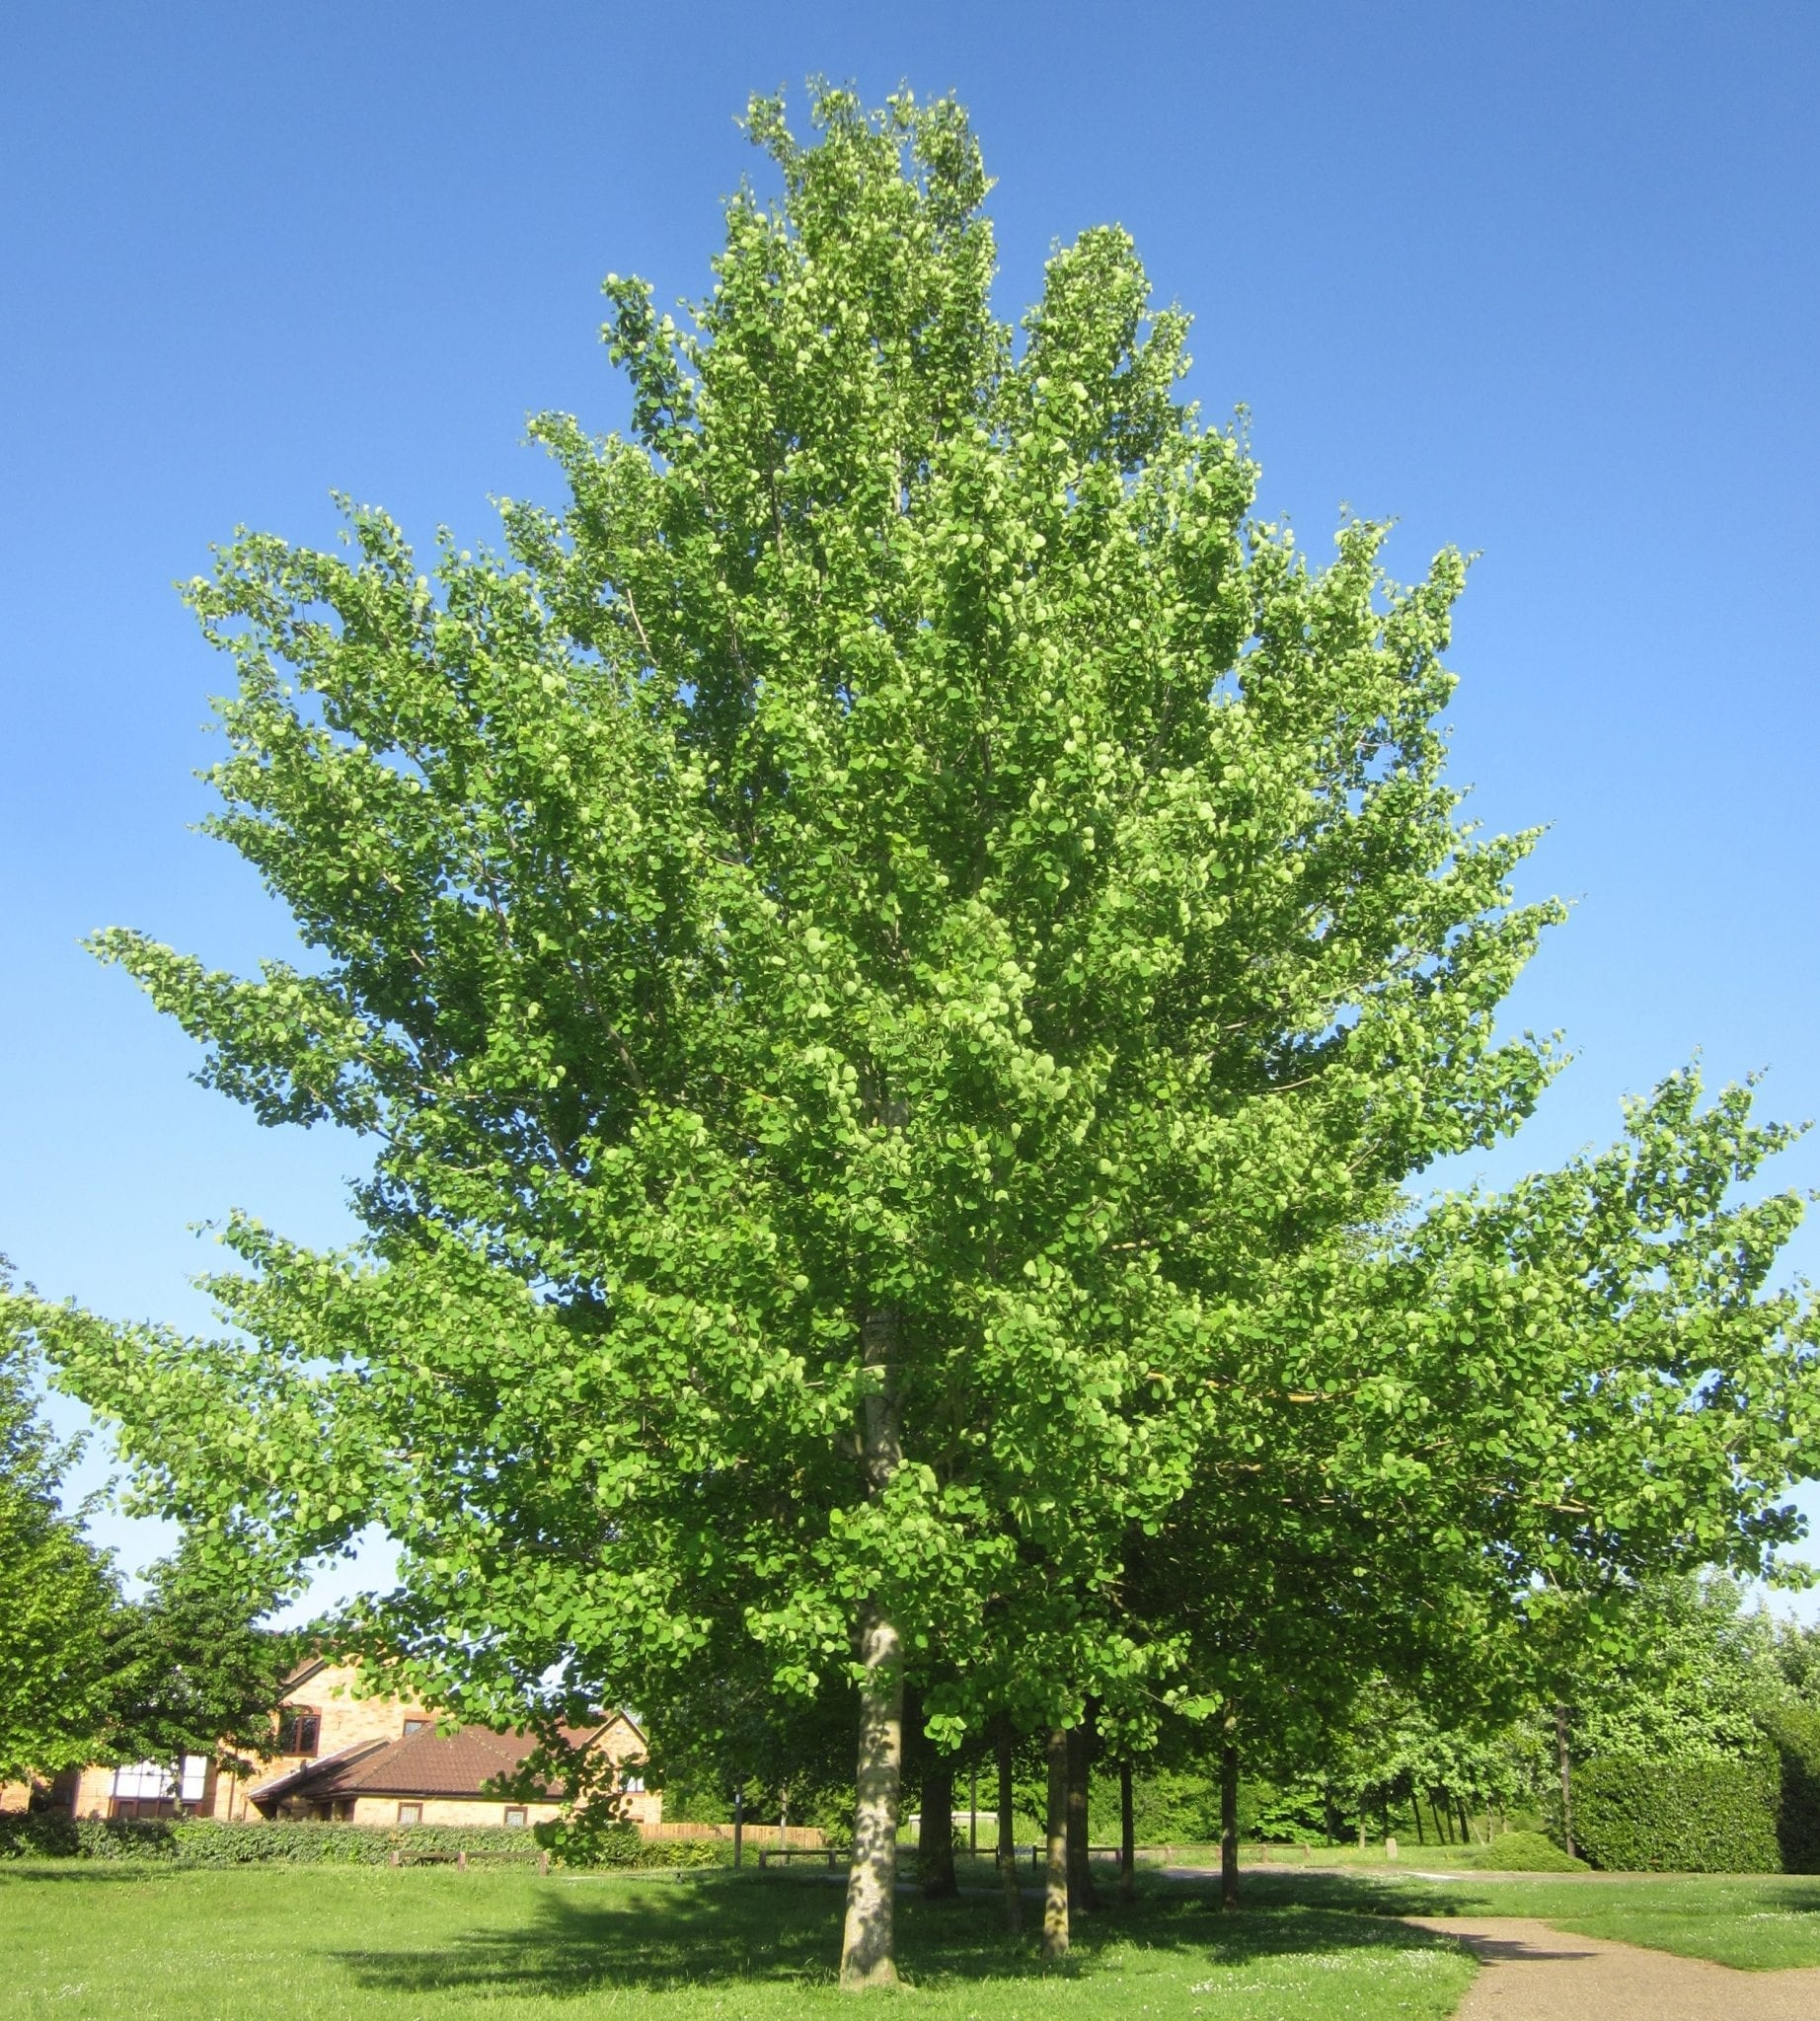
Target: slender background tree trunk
1081, 1898
1055, 1894
1008, 1852
1566, 1780
1128, 1832
1229, 1826
935, 1837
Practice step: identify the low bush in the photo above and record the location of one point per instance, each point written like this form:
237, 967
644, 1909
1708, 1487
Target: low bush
1525, 1852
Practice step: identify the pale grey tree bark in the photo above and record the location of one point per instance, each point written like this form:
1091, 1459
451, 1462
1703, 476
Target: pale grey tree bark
872, 1881
1055, 1891
868, 1938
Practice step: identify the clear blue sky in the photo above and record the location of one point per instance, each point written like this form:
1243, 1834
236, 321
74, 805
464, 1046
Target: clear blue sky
1538, 279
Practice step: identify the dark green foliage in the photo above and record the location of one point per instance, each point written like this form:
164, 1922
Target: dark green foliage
1282, 1813
1169, 1806
1680, 1817
59, 1598
192, 1671
1795, 1733
204, 1842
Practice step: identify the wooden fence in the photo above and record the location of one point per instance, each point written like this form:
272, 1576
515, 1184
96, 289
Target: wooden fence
803, 1837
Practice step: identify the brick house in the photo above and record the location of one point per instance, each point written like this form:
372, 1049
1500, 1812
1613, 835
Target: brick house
371, 1761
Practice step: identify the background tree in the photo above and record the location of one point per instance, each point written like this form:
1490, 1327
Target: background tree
59, 1598
192, 1673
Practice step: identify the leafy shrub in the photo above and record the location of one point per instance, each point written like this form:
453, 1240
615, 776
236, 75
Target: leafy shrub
37, 1835
1525, 1852
1688, 1817
1170, 1807
600, 1839
207, 1843
1278, 1814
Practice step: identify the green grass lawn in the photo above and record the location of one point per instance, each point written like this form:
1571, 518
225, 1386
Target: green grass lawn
307, 1944
88, 1939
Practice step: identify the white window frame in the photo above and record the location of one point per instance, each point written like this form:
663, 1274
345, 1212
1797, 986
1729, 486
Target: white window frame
150, 1781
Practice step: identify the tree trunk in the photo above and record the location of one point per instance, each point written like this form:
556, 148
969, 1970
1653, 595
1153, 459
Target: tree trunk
868, 1943
1055, 1894
1566, 1780
1008, 1852
1081, 1898
935, 1835
1128, 1832
1229, 1826
871, 1881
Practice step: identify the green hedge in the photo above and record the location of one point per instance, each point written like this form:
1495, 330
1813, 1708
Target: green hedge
205, 1842
1760, 1814
1796, 1737
1685, 1817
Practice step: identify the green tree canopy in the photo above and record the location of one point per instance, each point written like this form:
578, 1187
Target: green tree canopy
887, 953
57, 1592
190, 1669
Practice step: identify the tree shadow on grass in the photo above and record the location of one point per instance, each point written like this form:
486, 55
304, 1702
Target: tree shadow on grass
584, 1937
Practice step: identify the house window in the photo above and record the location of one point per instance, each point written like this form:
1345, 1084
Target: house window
414, 1726
410, 1814
514, 1814
150, 1782
300, 1729
633, 1785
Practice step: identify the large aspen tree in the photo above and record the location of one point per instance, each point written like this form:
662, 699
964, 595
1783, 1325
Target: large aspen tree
880, 951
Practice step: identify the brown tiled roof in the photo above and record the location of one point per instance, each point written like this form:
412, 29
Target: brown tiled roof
423, 1764
291, 1779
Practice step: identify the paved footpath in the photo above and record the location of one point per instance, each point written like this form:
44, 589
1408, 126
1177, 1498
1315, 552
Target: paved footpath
1535, 1973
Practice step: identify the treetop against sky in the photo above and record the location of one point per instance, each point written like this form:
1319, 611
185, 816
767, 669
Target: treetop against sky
1493, 317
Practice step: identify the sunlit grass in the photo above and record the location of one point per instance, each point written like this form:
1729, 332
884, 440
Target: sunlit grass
317, 1944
